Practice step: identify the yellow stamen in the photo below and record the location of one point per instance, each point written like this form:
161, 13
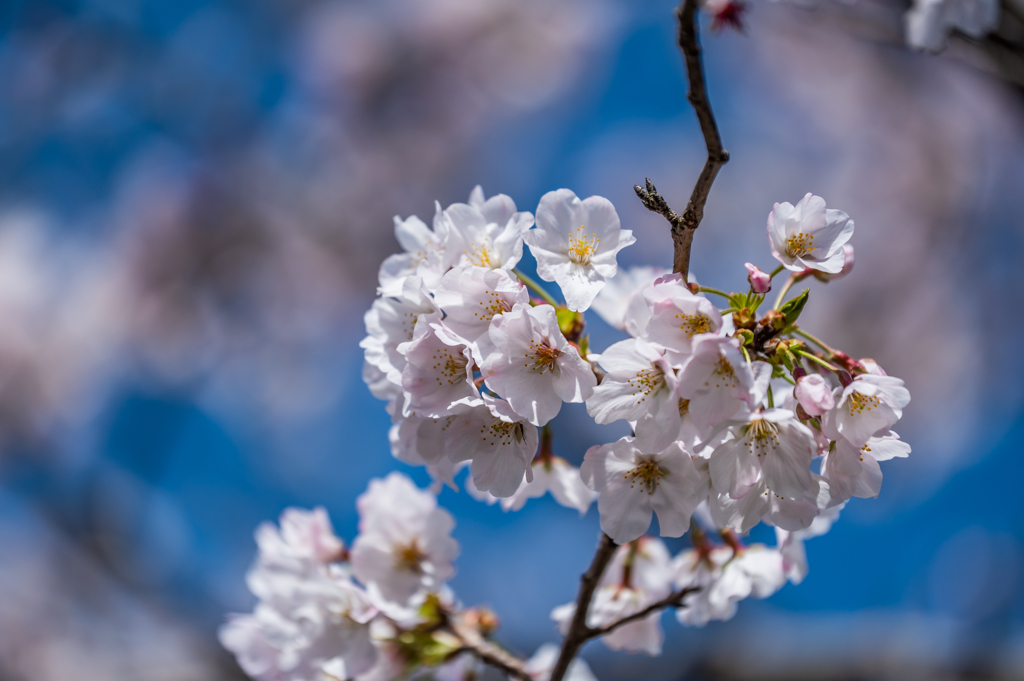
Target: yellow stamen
581, 246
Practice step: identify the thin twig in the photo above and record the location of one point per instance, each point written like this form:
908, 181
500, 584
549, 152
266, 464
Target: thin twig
673, 600
578, 629
489, 653
683, 226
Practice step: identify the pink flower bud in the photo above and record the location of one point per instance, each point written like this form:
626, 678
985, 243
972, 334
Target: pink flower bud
760, 281
814, 394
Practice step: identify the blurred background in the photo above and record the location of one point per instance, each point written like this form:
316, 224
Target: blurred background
194, 200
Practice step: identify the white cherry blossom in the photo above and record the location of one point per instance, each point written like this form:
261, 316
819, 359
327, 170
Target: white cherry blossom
929, 22
698, 569
498, 441
679, 318
554, 475
809, 235
533, 366
622, 592
488, 235
632, 484
718, 380
438, 375
404, 544
853, 471
424, 257
761, 503
421, 442
390, 322
471, 297
575, 243
755, 571
770, 446
814, 394
639, 382
791, 544
621, 302
868, 407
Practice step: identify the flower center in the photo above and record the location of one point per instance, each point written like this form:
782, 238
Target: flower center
409, 557
684, 408
581, 246
449, 366
647, 383
492, 305
502, 433
761, 435
480, 255
724, 375
693, 324
647, 475
862, 403
800, 244
543, 355
863, 450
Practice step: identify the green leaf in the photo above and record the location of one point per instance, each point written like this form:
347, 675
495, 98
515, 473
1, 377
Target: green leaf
792, 308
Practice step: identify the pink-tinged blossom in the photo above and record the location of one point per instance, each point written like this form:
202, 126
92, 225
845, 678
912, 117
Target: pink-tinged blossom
389, 323
853, 471
556, 476
471, 297
404, 545
424, 257
489, 234
868, 407
761, 503
754, 572
624, 591
809, 235
725, 14
539, 666
848, 261
678, 318
717, 380
760, 282
639, 382
533, 366
311, 620
575, 243
814, 394
672, 423
498, 441
621, 302
438, 376
770, 446
632, 484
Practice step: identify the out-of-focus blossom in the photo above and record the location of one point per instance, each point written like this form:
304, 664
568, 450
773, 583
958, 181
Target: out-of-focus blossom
929, 22
809, 235
555, 475
543, 661
791, 544
576, 243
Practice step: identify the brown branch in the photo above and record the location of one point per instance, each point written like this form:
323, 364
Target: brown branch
578, 629
673, 600
683, 226
489, 653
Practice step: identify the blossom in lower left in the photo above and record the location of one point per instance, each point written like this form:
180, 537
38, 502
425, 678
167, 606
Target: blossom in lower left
311, 621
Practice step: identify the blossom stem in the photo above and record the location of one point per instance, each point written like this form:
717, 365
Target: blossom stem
489, 653
537, 288
578, 629
800, 332
817, 359
674, 600
776, 271
785, 289
771, 397
708, 289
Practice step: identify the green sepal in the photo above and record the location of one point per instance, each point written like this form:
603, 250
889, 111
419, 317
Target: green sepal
792, 308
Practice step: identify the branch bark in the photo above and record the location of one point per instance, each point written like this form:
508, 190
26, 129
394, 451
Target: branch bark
488, 652
683, 226
673, 600
578, 629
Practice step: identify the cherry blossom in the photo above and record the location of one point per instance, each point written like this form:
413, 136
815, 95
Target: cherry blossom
638, 574
389, 323
762, 503
679, 318
554, 475
575, 243
868, 407
533, 366
621, 302
498, 441
814, 394
809, 235
404, 544
760, 282
424, 255
438, 376
471, 297
698, 569
488, 234
853, 471
639, 382
791, 544
632, 484
929, 22
718, 380
769, 446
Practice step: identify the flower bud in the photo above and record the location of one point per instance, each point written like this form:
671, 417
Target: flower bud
799, 373
847, 362
844, 377
760, 281
743, 319
774, 319
745, 336
814, 394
